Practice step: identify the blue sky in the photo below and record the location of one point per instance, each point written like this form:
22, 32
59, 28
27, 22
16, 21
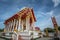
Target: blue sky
43, 10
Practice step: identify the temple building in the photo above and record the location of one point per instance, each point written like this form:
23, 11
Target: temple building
21, 23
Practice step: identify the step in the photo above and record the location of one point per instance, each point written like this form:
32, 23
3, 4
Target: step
25, 35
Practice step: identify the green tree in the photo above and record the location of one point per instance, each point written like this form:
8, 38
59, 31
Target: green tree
49, 30
59, 28
1, 30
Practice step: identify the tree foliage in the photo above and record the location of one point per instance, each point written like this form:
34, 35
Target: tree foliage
49, 30
1, 30
59, 28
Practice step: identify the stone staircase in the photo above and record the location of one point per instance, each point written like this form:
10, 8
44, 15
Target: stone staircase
24, 36
21, 36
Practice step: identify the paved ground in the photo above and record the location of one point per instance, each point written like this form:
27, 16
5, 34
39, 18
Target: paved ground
37, 39
45, 39
2, 39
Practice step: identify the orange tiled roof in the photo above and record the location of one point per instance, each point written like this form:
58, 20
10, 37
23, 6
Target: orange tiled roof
25, 11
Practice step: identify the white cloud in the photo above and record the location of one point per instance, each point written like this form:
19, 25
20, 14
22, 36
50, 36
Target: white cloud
4, 16
38, 14
9, 13
1, 22
42, 15
58, 19
18, 9
56, 2
50, 13
46, 22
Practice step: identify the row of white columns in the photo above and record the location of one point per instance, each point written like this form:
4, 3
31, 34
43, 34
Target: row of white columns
19, 24
11, 25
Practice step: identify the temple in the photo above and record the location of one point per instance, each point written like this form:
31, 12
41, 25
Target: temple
22, 21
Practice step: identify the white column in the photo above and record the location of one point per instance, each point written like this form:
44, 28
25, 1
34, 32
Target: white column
13, 24
16, 24
22, 25
27, 23
7, 27
33, 26
10, 26
19, 24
